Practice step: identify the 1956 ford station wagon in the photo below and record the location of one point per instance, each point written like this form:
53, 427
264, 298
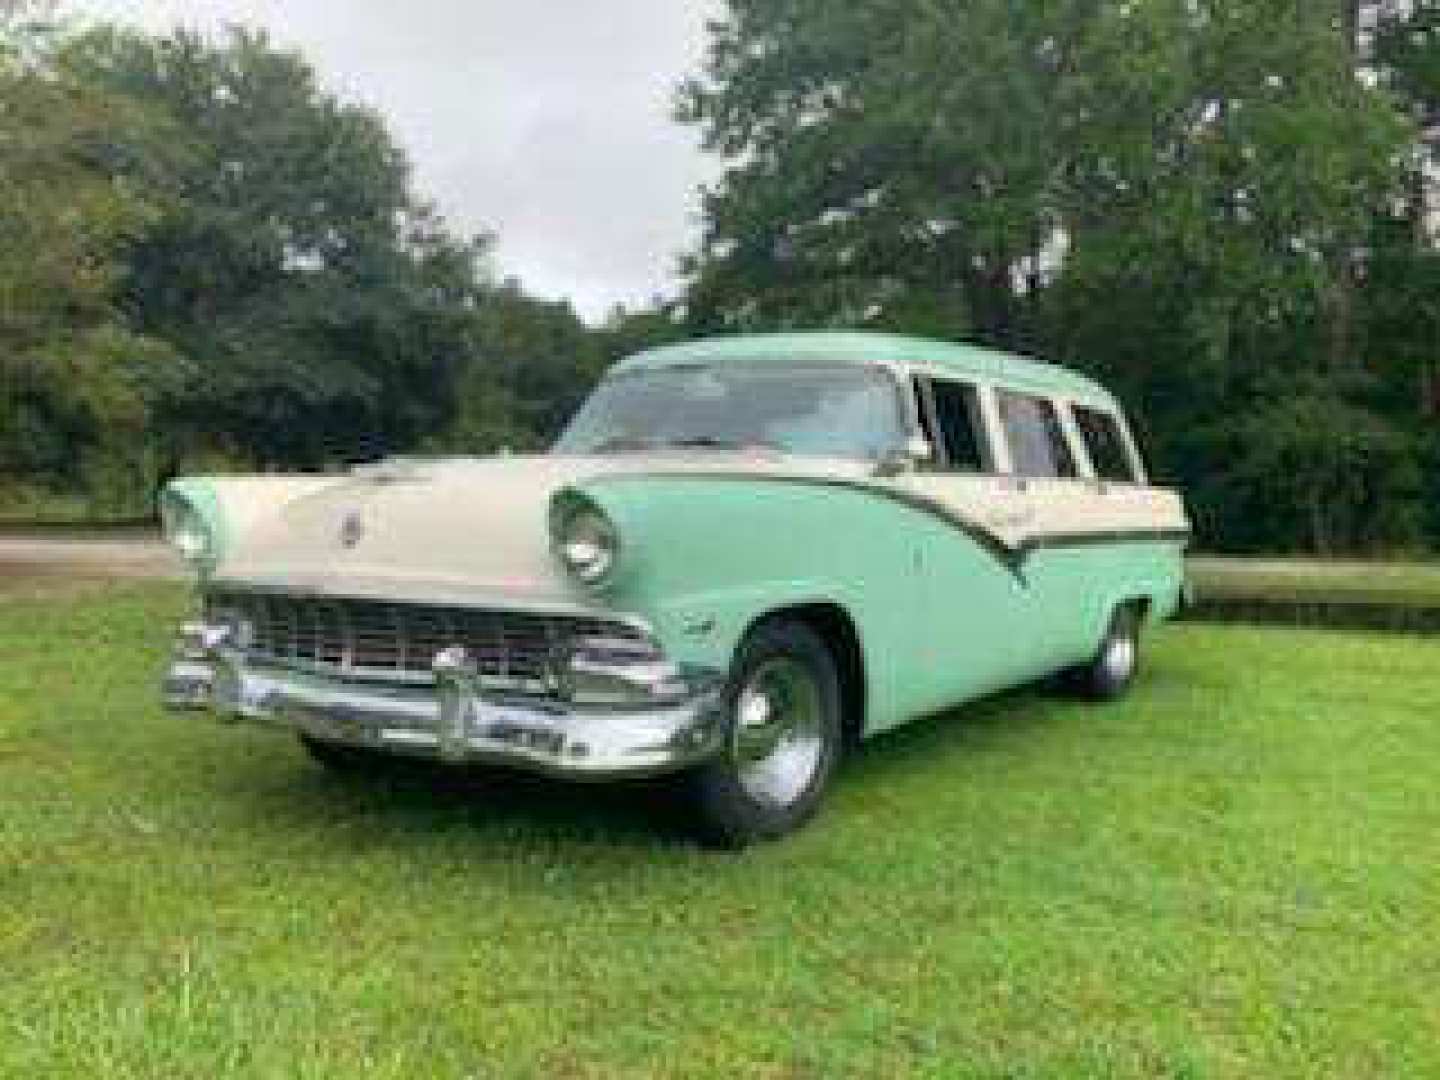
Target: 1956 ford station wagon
743, 556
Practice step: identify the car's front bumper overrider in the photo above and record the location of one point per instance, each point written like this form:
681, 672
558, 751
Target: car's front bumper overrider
659, 725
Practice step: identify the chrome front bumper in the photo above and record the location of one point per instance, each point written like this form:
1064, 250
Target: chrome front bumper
455, 718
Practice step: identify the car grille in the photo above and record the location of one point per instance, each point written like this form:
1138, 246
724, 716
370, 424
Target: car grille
381, 640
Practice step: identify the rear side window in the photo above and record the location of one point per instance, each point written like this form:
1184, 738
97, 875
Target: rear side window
1105, 443
1037, 441
954, 424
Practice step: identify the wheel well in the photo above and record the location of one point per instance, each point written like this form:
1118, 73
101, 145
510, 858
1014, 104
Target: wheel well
837, 630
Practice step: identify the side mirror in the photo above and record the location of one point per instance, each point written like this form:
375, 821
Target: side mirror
916, 452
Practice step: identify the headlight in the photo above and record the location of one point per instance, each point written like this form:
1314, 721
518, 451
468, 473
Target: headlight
187, 530
585, 540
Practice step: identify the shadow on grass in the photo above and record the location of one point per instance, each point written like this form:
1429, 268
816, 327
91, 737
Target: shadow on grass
997, 724
416, 800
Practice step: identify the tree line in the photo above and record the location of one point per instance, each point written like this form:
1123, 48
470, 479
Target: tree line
1225, 209
206, 261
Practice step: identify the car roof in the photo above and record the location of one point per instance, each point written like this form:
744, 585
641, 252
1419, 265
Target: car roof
867, 347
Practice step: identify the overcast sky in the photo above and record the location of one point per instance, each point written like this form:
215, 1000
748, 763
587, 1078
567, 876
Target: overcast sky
546, 122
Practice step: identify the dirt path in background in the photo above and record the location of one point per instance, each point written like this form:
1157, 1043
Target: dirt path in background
31, 562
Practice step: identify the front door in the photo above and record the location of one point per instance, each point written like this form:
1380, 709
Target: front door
976, 614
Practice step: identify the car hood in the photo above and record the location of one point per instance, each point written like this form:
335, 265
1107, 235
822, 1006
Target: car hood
468, 531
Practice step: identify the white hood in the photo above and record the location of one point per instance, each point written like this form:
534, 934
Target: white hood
471, 531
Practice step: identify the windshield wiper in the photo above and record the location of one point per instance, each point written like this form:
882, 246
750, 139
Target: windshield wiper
621, 443
712, 442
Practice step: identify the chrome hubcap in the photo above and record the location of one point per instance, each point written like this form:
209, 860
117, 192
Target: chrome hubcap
778, 744
1120, 658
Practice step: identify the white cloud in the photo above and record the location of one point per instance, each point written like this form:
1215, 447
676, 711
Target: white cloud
547, 122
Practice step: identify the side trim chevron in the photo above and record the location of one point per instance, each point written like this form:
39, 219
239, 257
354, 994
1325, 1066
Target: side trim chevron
1012, 558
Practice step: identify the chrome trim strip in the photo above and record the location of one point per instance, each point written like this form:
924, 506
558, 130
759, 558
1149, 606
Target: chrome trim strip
1106, 536
498, 601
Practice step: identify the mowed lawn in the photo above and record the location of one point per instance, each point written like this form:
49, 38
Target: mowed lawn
1233, 873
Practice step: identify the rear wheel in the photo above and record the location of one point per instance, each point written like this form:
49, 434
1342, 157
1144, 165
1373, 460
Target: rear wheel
782, 742
1112, 670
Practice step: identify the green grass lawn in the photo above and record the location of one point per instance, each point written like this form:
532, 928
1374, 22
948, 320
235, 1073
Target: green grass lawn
1233, 873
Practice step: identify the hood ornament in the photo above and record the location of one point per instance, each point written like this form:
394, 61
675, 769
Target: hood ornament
352, 529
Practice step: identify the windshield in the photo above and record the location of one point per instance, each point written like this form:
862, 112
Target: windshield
844, 412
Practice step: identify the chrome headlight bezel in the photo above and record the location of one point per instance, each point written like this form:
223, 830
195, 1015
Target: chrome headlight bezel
189, 530
584, 540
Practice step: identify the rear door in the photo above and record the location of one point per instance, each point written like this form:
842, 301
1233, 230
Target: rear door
1058, 512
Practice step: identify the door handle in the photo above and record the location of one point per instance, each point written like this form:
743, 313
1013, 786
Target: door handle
1011, 519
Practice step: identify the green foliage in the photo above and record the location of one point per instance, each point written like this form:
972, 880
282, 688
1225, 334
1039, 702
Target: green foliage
324, 310
532, 364
1169, 194
630, 330
204, 257
79, 384
1303, 462
1408, 48
889, 166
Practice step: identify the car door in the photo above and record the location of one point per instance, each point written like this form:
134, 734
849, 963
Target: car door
1057, 512
974, 612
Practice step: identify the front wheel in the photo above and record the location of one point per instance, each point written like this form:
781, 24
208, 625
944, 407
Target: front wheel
783, 737
1111, 671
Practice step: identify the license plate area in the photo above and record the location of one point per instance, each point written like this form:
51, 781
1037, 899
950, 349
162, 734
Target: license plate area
523, 736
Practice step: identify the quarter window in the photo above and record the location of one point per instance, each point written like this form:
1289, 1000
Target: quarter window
954, 424
1105, 443
1037, 441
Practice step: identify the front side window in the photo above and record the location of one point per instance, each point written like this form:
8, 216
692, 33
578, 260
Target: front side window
819, 411
1037, 441
1105, 443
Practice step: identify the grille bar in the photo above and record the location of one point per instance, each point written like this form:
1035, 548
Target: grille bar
376, 639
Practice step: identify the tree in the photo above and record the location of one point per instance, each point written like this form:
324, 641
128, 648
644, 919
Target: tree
78, 384
1306, 464
1404, 311
325, 310
892, 162
1176, 195
629, 330
532, 363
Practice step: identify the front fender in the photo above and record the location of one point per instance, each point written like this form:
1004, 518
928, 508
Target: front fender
704, 556
707, 628
233, 506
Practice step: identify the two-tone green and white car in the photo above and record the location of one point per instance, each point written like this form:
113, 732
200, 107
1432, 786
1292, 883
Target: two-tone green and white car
743, 556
